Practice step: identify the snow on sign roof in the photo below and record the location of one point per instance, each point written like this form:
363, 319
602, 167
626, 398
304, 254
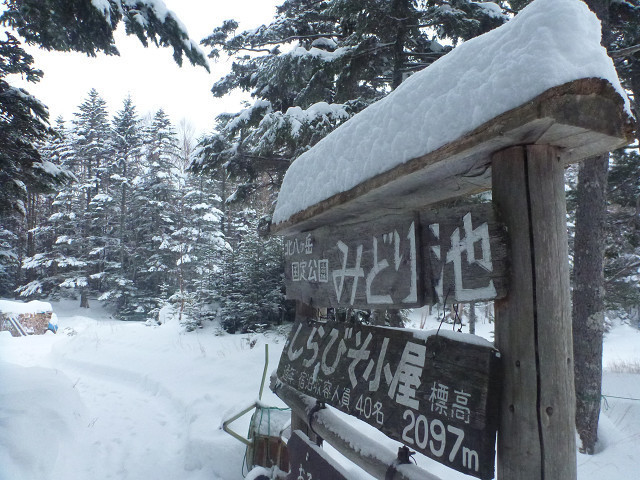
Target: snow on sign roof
548, 44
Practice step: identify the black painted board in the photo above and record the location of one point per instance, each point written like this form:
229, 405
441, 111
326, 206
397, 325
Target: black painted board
368, 265
453, 255
465, 254
309, 462
437, 394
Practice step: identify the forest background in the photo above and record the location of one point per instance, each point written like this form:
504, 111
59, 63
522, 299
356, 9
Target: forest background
138, 212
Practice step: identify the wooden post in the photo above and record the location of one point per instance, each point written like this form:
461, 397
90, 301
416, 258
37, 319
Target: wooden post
536, 436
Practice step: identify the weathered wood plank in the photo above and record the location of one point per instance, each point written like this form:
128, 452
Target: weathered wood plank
310, 462
449, 255
519, 455
462, 167
533, 327
437, 394
304, 312
556, 405
362, 264
372, 457
465, 253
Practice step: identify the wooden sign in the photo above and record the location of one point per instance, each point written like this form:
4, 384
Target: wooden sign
464, 253
310, 462
437, 394
454, 256
356, 266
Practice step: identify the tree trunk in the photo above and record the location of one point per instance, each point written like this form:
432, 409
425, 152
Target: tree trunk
123, 216
588, 276
588, 297
84, 299
31, 222
472, 318
399, 11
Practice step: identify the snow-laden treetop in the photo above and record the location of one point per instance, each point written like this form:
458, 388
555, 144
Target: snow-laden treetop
549, 43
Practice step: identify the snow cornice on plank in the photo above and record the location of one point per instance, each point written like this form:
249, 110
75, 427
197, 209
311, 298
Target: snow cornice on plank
584, 118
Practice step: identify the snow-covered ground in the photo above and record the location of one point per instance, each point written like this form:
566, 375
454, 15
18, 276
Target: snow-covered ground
105, 399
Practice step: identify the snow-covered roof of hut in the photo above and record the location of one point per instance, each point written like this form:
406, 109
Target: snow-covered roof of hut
549, 43
11, 308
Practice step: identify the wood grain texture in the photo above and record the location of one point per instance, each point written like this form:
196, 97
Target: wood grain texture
365, 264
519, 455
408, 386
536, 439
584, 117
480, 272
452, 255
372, 457
310, 461
556, 405
304, 312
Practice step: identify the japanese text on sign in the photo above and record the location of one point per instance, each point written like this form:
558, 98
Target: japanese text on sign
352, 265
373, 373
398, 263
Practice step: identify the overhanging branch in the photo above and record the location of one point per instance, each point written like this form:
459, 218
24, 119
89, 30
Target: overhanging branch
624, 52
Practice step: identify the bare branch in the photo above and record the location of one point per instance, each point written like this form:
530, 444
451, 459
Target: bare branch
624, 52
246, 49
621, 272
296, 37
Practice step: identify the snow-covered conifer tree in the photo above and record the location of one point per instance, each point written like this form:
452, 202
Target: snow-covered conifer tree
249, 284
83, 26
316, 65
154, 195
118, 286
47, 266
89, 207
198, 237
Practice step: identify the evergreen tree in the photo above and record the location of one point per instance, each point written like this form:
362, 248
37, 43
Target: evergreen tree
154, 197
47, 264
9, 260
136, 227
622, 256
316, 65
250, 284
202, 244
82, 220
23, 123
119, 288
65, 25
311, 69
625, 47
198, 235
87, 26
93, 155
589, 243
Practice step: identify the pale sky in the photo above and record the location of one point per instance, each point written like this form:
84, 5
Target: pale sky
150, 75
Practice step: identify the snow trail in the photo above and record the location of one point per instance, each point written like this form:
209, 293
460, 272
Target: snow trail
120, 400
145, 402
116, 439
